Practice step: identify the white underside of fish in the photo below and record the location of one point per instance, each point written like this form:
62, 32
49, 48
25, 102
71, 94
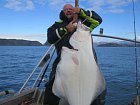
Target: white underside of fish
78, 79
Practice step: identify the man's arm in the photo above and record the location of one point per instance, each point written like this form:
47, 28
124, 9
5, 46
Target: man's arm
91, 18
55, 32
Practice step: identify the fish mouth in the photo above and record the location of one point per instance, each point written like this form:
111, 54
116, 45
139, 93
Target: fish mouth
82, 33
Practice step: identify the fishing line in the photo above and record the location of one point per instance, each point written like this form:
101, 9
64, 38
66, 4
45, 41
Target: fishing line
136, 61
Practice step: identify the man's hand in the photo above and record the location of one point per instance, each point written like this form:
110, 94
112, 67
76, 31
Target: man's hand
71, 27
77, 10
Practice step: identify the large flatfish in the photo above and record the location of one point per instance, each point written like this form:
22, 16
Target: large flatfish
78, 79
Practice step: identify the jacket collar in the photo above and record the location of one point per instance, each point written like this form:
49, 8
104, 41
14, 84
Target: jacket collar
63, 17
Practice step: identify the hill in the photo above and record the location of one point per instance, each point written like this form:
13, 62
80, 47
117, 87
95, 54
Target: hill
16, 42
112, 44
47, 43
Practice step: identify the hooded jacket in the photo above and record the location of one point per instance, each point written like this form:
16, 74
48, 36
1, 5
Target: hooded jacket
57, 34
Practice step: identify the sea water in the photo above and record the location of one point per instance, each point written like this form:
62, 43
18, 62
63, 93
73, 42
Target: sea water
116, 63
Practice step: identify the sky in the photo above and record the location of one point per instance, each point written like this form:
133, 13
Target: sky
30, 19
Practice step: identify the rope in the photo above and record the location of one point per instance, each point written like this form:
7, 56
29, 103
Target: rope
136, 61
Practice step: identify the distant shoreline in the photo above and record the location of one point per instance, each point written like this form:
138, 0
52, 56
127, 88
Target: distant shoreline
117, 45
20, 42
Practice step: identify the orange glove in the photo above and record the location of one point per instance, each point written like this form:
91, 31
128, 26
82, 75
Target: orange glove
77, 9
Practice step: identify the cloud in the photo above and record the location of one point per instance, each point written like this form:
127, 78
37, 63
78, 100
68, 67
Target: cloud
19, 5
23, 5
42, 2
58, 4
55, 2
113, 6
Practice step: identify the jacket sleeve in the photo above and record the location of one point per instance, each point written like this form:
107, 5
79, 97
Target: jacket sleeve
55, 33
90, 17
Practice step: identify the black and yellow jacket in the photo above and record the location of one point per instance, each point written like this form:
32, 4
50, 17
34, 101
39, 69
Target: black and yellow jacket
57, 34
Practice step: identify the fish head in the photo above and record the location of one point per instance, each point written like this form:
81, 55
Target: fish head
81, 37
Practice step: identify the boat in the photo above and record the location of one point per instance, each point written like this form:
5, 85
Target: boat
34, 94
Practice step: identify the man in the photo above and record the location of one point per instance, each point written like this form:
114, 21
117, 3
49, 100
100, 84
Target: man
59, 34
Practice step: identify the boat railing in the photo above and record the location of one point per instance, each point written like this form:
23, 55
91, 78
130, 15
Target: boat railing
44, 63
45, 60
114, 37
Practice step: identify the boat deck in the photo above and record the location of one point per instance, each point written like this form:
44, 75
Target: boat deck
28, 97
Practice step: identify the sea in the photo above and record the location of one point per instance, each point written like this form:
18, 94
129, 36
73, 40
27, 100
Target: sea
116, 63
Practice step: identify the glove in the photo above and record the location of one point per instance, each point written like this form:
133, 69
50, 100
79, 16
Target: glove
77, 10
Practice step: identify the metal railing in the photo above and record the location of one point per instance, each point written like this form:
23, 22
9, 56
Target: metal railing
44, 62
114, 37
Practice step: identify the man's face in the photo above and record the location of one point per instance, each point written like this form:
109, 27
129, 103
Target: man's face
68, 11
